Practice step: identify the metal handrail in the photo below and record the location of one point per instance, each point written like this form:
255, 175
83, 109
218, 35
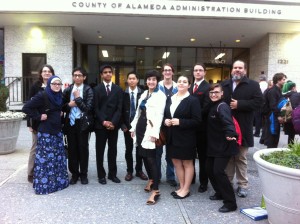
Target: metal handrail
18, 89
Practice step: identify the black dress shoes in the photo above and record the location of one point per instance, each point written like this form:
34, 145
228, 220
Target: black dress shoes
102, 180
114, 179
202, 188
141, 175
215, 197
84, 180
73, 180
179, 197
128, 176
225, 209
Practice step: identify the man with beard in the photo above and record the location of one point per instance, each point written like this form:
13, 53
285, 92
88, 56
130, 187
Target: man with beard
244, 96
272, 98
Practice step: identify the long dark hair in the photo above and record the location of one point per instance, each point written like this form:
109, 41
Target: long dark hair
41, 70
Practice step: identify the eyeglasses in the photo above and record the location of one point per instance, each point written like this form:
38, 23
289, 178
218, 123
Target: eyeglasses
167, 70
198, 70
56, 84
215, 92
79, 76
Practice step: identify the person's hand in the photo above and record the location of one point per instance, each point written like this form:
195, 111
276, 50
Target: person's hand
72, 104
125, 130
168, 122
43, 117
233, 104
175, 121
76, 93
30, 129
132, 134
230, 138
152, 139
280, 120
111, 127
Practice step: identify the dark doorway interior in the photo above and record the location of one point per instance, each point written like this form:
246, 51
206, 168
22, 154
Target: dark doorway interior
31, 66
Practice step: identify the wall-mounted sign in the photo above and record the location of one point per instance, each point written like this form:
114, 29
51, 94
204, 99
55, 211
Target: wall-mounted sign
282, 61
150, 7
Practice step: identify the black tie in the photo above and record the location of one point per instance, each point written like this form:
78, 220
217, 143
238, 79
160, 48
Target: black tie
107, 89
132, 107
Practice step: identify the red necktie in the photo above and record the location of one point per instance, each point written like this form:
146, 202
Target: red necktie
195, 87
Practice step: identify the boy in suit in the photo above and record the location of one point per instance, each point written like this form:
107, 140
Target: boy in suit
108, 110
130, 102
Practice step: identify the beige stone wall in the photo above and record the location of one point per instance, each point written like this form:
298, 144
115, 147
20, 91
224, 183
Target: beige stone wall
56, 42
276, 53
259, 58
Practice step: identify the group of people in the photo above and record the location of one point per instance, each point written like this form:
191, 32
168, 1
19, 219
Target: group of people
195, 116
271, 115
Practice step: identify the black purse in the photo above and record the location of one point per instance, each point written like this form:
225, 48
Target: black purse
86, 122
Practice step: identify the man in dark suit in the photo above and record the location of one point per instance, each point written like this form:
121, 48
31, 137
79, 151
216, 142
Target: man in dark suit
200, 89
108, 110
130, 102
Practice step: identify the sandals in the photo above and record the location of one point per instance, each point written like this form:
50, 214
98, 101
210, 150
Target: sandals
148, 187
153, 197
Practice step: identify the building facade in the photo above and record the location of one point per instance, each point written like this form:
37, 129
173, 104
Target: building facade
142, 35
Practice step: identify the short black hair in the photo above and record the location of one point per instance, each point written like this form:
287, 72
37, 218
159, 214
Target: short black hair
82, 71
104, 67
153, 73
133, 73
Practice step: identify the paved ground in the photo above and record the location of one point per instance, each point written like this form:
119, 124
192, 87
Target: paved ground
111, 203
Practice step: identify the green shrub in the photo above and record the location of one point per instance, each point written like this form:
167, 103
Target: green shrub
289, 158
3, 97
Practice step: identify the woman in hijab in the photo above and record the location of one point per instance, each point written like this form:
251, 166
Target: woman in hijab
50, 171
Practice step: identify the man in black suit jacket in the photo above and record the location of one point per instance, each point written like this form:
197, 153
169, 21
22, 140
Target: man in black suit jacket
200, 89
108, 110
128, 113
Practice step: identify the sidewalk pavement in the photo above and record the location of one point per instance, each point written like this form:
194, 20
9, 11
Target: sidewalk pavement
111, 203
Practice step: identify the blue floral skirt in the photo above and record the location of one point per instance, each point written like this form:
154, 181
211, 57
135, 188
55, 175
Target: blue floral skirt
50, 168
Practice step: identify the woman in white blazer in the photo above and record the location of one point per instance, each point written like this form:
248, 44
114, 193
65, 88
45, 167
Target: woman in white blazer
145, 129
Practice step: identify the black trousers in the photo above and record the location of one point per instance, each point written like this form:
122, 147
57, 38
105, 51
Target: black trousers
103, 136
128, 154
215, 167
257, 122
272, 140
78, 150
202, 156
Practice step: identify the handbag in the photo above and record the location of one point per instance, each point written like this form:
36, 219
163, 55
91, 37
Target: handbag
86, 122
161, 141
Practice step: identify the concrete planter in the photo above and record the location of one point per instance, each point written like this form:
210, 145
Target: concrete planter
281, 189
9, 134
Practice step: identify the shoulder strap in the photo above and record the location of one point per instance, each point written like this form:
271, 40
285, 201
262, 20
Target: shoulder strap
218, 106
46, 101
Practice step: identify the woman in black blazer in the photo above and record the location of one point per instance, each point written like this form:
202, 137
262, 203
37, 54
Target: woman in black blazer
182, 116
45, 73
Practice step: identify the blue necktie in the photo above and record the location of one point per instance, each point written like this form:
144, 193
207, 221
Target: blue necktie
132, 106
73, 115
